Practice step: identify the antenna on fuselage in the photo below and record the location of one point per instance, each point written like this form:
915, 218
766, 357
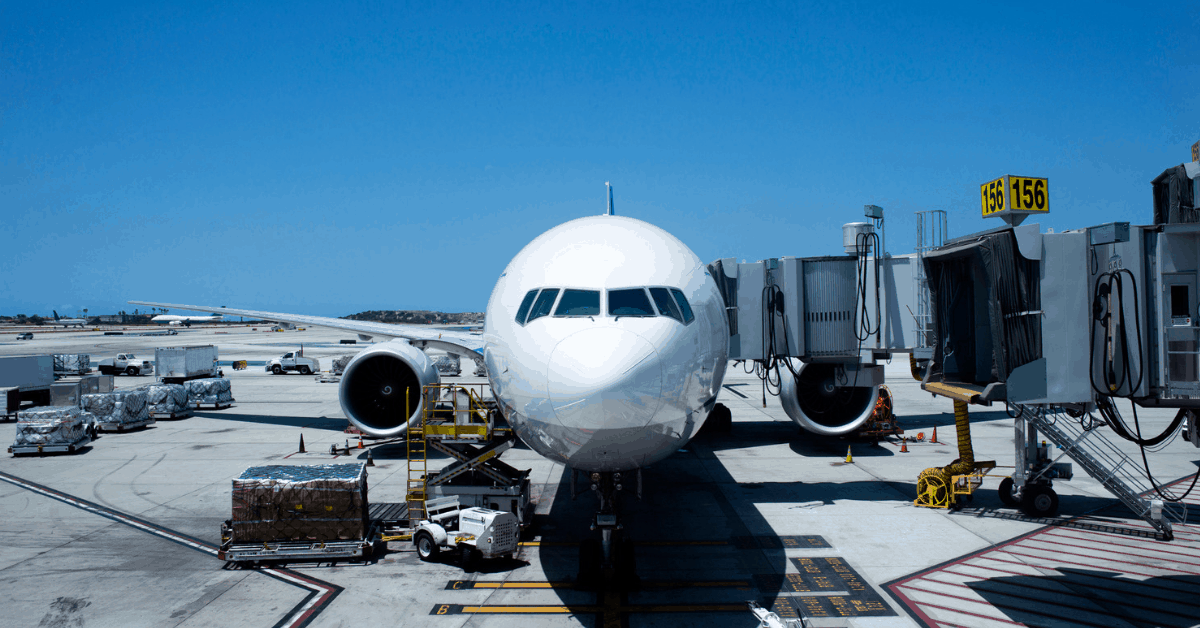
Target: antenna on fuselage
610, 204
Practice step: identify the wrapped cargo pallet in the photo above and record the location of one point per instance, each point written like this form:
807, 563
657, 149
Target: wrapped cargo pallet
61, 425
72, 363
300, 503
209, 390
339, 364
166, 398
119, 407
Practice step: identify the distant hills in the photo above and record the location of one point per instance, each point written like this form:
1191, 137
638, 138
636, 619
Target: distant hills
418, 317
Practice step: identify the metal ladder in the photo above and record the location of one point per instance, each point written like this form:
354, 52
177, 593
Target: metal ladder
1116, 471
416, 494
931, 233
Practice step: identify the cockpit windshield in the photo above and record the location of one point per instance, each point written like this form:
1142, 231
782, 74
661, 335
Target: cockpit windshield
629, 302
665, 303
668, 302
579, 303
544, 303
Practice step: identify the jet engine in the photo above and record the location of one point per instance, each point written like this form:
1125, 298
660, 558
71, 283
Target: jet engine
381, 387
819, 399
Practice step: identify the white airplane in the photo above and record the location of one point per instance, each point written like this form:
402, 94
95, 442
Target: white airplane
605, 342
186, 321
68, 322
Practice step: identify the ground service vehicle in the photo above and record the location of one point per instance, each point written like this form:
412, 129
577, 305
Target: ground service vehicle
126, 363
25, 336
476, 532
293, 361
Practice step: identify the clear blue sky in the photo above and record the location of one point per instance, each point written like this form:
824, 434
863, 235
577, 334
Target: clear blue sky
329, 158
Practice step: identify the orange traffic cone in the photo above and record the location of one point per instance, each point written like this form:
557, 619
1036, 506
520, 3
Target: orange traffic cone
904, 445
370, 460
301, 443
360, 445
849, 458
934, 435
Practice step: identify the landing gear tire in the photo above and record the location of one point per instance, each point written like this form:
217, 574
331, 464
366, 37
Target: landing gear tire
1006, 493
590, 558
427, 549
719, 421
1039, 501
626, 566
304, 370
278, 370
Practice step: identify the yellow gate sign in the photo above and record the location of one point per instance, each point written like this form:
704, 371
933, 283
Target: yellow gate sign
1012, 194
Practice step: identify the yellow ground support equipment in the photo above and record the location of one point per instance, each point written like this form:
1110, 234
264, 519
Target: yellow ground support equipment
939, 487
457, 422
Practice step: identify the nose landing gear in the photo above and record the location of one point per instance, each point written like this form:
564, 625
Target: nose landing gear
608, 563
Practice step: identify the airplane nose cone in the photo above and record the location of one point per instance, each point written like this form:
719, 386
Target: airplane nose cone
604, 378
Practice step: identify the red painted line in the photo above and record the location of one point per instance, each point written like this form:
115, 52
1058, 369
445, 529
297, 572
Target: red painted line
1105, 551
1015, 573
1132, 584
1110, 560
1064, 590
1154, 548
1024, 609
1166, 554
1088, 565
962, 612
1137, 582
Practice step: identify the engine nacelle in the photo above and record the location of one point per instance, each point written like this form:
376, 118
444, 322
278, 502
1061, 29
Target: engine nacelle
818, 402
381, 387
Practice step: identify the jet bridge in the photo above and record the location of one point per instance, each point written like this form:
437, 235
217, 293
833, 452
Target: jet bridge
1059, 327
817, 327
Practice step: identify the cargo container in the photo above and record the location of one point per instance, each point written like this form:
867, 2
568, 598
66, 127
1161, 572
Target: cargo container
28, 379
175, 365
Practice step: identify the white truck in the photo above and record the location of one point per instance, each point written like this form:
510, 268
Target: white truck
176, 365
126, 363
476, 532
293, 361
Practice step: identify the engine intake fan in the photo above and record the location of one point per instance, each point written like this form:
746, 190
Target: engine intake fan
819, 401
381, 387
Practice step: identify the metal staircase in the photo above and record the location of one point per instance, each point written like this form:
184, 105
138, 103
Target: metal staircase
417, 450
1116, 471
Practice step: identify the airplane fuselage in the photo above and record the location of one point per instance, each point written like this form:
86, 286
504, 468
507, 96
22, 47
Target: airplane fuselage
620, 348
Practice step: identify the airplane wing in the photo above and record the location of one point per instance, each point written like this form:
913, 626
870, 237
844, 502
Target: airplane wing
467, 344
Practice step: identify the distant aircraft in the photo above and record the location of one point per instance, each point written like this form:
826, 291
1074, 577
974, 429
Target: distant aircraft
186, 321
68, 322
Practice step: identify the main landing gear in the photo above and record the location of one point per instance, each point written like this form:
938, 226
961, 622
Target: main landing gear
607, 563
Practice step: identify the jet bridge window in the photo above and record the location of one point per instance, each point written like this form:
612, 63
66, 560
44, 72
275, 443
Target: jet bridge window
579, 303
688, 317
665, 303
526, 303
543, 305
629, 302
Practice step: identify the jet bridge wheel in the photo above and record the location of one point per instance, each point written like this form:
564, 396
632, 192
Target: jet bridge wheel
1006, 493
1039, 500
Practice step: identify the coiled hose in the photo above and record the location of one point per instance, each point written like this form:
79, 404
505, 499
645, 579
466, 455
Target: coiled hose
933, 484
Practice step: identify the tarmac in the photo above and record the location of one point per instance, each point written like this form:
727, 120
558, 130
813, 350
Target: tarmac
125, 532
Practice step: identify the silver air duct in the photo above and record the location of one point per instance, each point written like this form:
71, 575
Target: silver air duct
381, 387
818, 402
850, 235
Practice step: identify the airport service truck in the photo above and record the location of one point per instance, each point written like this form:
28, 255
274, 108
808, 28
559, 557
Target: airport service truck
293, 361
476, 532
126, 363
176, 365
27, 378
